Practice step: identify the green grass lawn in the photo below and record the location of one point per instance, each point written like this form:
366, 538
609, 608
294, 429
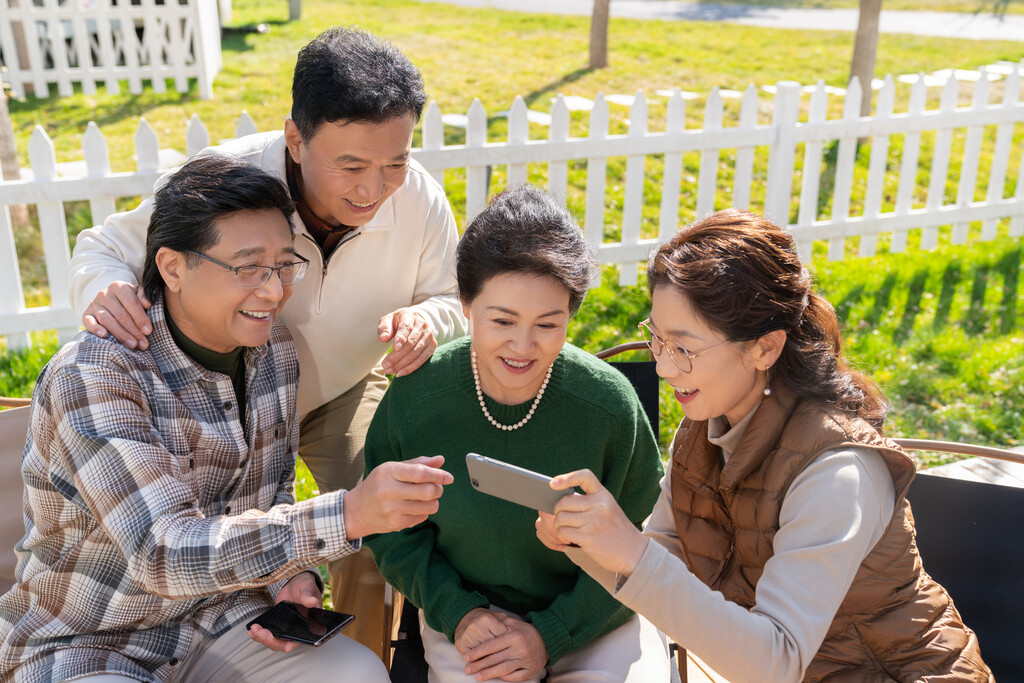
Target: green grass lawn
942, 332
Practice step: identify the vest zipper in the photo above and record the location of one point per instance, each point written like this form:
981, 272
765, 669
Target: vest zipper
727, 565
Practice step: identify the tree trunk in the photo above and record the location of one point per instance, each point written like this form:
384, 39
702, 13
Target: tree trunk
599, 35
18, 29
864, 47
9, 161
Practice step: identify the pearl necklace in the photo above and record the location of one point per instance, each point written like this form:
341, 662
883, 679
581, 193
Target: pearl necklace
483, 405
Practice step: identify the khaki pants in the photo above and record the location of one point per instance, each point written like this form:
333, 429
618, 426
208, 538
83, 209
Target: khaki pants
236, 658
635, 652
331, 442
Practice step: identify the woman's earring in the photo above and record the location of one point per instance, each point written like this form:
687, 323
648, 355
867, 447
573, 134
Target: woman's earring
767, 381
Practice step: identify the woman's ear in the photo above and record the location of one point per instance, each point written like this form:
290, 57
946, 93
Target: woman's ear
465, 307
171, 265
769, 348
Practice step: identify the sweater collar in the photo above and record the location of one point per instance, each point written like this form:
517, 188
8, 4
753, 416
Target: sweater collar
178, 369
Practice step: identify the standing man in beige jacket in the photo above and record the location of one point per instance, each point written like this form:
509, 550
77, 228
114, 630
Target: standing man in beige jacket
380, 237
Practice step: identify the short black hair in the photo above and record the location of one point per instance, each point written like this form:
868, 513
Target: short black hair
204, 190
347, 74
525, 231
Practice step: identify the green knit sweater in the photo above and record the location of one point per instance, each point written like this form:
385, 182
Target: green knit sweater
479, 550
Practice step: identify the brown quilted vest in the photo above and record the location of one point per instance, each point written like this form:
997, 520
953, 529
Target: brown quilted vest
895, 623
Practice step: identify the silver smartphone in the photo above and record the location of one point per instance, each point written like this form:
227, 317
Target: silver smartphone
511, 483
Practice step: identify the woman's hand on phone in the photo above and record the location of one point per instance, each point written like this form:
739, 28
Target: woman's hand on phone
593, 521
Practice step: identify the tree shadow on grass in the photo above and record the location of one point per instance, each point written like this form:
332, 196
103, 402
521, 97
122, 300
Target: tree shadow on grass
57, 116
915, 290
1009, 266
976, 319
995, 7
844, 305
950, 279
233, 37
827, 182
882, 299
555, 86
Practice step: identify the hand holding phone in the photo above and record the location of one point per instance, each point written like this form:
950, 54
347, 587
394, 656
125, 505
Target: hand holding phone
310, 625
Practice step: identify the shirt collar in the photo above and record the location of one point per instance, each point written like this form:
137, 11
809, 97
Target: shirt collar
177, 368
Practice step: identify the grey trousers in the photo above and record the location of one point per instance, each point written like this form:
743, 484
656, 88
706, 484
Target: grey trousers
236, 658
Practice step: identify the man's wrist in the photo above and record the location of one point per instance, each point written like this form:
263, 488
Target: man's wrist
350, 514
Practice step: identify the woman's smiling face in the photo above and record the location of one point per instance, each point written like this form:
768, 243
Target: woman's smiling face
518, 324
728, 380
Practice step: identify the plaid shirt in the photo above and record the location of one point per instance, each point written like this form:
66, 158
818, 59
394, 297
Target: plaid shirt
152, 520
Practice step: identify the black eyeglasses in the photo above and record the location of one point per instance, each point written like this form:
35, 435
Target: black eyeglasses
682, 358
254, 277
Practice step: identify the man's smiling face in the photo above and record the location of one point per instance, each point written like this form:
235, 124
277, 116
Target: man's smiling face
205, 299
348, 169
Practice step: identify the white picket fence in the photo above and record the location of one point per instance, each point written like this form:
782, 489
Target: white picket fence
44, 42
980, 197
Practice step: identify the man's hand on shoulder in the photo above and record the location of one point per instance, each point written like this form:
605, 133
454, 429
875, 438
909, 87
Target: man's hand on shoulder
120, 310
411, 338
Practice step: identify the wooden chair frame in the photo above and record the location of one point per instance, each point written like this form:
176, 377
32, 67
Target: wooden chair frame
6, 402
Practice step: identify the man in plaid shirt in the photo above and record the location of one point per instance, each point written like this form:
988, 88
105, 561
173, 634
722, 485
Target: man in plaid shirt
160, 513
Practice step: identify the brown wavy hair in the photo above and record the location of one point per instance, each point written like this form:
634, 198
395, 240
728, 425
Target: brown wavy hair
742, 275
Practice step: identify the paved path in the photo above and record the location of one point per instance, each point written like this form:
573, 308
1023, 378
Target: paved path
948, 24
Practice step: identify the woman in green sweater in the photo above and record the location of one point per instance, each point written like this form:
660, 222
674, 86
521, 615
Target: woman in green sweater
494, 602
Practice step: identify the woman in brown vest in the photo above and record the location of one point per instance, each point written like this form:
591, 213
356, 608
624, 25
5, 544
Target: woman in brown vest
782, 547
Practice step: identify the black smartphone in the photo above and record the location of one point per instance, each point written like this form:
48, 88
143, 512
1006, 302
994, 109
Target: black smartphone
311, 625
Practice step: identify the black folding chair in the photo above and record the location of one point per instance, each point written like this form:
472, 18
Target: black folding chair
404, 658
968, 534
641, 374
